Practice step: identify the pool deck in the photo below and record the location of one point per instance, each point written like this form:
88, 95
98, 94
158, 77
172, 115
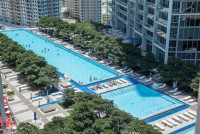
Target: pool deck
23, 107
26, 107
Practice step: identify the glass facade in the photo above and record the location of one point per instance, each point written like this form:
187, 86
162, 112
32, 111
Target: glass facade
165, 27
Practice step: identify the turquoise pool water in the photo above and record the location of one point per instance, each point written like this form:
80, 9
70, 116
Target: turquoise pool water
79, 68
189, 131
141, 101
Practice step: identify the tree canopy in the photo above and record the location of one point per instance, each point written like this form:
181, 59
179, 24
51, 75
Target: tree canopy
35, 68
91, 114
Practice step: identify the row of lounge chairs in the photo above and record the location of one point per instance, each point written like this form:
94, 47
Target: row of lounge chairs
176, 120
109, 84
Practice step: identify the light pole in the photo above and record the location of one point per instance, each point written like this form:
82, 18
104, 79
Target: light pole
197, 128
3, 113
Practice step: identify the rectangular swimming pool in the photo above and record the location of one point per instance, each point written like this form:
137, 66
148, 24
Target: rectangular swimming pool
141, 101
78, 67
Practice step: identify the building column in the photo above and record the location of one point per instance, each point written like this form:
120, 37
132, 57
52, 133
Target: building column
2, 107
168, 31
197, 128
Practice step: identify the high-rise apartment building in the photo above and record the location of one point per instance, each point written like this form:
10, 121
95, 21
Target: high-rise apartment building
163, 27
85, 10
28, 12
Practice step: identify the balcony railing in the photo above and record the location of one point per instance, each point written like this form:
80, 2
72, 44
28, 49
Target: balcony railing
122, 3
162, 21
163, 9
149, 4
161, 33
150, 16
159, 44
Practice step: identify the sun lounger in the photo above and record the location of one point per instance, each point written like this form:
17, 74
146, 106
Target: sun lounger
125, 68
161, 127
12, 77
163, 86
56, 93
177, 119
6, 71
148, 80
47, 109
24, 85
118, 81
189, 115
192, 112
24, 88
60, 97
142, 77
183, 117
172, 121
191, 100
105, 85
156, 75
128, 70
167, 123
187, 98
11, 74
37, 98
122, 80
173, 91
66, 84
177, 93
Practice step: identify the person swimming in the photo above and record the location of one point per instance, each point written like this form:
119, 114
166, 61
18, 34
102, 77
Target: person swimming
90, 78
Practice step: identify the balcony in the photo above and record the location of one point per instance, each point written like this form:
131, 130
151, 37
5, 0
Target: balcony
161, 21
159, 45
122, 3
149, 27
148, 37
150, 16
151, 5
122, 19
161, 33
163, 9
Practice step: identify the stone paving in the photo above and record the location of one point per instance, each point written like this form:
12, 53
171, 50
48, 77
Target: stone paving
23, 107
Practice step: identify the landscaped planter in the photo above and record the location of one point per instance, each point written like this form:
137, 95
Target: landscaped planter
10, 95
5, 86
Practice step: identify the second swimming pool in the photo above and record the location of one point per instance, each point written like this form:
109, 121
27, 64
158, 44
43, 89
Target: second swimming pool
141, 101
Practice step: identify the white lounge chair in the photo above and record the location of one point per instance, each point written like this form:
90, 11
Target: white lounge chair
191, 100
12, 77
163, 86
173, 91
161, 127
172, 121
187, 98
148, 80
108, 63
37, 98
122, 80
125, 68
177, 119
128, 70
177, 93
183, 117
118, 81
192, 112
189, 115
142, 77
11, 74
167, 123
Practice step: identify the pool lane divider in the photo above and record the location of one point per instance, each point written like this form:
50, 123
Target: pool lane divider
183, 128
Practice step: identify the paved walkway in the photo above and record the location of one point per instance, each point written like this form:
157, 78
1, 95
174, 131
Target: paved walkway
23, 108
